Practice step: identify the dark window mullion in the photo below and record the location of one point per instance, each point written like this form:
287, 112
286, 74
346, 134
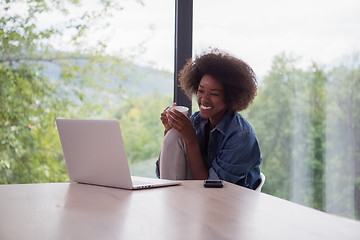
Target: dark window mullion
183, 45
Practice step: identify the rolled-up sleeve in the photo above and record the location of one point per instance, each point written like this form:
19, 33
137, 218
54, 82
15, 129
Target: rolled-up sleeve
237, 158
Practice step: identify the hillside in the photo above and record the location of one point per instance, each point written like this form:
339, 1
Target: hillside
135, 81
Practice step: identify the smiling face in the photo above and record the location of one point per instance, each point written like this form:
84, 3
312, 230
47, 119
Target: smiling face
211, 99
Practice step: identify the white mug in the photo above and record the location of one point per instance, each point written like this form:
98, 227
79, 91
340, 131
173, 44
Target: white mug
184, 110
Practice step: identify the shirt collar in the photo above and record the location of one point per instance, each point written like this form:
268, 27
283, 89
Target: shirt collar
224, 123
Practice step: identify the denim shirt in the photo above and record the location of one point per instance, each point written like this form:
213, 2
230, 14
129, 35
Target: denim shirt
233, 150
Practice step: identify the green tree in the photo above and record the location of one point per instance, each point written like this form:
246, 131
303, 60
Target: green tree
342, 139
31, 99
317, 106
308, 128
282, 118
272, 118
141, 127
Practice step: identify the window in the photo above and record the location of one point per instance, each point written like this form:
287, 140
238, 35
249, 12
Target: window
86, 63
306, 114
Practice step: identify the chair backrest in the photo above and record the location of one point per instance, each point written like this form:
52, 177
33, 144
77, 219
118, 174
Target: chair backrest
263, 178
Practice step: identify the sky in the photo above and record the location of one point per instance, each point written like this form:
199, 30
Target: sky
255, 31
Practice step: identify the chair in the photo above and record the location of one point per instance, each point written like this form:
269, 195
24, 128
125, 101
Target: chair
263, 178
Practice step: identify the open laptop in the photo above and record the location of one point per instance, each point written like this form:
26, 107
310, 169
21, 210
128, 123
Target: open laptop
94, 154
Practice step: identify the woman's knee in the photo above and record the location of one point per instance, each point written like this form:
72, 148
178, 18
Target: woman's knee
173, 139
173, 160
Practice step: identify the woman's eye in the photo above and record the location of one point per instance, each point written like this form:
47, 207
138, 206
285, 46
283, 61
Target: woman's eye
200, 91
215, 95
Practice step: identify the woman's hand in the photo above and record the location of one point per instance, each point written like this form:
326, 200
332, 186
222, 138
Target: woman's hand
164, 119
181, 124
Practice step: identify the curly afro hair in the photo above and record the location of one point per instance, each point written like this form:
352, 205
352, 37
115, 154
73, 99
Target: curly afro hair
238, 78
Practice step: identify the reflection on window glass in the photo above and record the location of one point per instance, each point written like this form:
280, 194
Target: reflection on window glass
306, 114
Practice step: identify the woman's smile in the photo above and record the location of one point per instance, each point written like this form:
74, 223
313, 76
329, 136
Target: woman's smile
211, 100
202, 106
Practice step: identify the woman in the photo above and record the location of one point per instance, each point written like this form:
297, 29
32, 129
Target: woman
216, 142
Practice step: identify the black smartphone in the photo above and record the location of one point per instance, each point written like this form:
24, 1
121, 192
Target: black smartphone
213, 183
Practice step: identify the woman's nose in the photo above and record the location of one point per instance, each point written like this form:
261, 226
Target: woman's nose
206, 97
